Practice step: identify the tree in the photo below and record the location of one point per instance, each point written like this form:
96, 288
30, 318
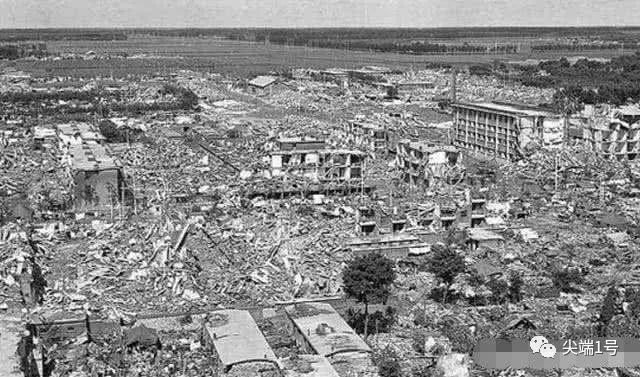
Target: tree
515, 288
388, 363
392, 92
632, 297
609, 309
368, 279
564, 279
499, 291
446, 264
460, 336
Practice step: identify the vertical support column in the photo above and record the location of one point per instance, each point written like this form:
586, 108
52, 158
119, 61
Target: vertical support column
456, 126
486, 134
508, 137
466, 128
475, 135
495, 150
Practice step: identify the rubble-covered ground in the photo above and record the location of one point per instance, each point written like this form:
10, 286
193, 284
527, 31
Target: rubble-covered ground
189, 238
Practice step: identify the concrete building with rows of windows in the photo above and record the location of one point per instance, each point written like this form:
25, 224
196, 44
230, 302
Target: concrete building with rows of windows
504, 130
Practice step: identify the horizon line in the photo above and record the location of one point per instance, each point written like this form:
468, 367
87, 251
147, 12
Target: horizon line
318, 27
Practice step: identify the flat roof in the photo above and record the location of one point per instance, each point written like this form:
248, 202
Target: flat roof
426, 147
90, 157
324, 329
319, 151
387, 238
365, 124
510, 108
309, 366
9, 360
263, 81
629, 110
480, 234
85, 130
237, 338
42, 132
414, 83
334, 71
299, 140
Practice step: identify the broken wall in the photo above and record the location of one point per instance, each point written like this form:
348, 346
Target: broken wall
97, 188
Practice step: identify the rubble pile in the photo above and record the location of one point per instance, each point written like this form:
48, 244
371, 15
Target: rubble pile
208, 216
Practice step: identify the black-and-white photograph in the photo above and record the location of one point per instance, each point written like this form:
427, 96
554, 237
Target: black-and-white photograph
329, 188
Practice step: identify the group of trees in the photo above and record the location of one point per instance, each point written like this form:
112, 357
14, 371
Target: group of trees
17, 51
620, 315
20, 35
581, 46
59, 95
588, 81
402, 47
369, 279
96, 100
114, 134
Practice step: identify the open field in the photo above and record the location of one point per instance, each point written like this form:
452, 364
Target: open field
241, 58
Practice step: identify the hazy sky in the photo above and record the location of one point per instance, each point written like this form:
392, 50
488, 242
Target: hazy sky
316, 13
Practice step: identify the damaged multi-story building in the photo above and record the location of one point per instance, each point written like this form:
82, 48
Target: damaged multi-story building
369, 136
310, 159
97, 176
612, 132
505, 130
423, 164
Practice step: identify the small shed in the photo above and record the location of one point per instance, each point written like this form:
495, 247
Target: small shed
261, 83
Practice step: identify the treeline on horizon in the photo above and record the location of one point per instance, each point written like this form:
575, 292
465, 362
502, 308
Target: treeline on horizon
388, 33
617, 33
584, 46
185, 100
414, 41
17, 51
586, 81
22, 35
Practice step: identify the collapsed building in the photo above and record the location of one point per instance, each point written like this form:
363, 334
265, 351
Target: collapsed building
504, 130
368, 136
97, 176
78, 133
612, 132
309, 159
394, 246
44, 137
410, 86
423, 164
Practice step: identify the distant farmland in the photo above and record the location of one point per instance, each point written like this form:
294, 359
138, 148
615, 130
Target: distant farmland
241, 58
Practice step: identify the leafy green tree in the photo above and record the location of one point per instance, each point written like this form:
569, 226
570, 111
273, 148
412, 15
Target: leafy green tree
609, 305
388, 363
499, 291
446, 264
515, 288
368, 279
392, 91
632, 296
565, 279
460, 336
608, 310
